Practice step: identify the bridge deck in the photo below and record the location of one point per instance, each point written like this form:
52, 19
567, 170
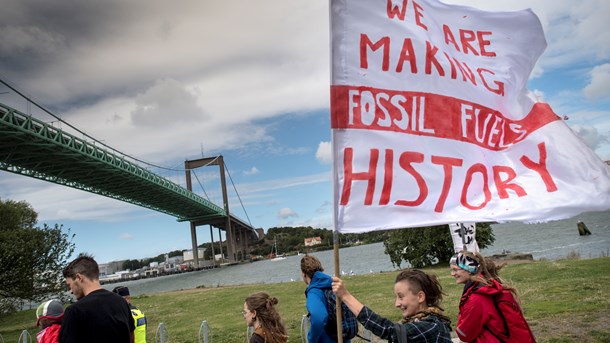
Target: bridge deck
33, 148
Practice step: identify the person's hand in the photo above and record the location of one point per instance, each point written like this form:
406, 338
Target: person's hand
343, 294
339, 287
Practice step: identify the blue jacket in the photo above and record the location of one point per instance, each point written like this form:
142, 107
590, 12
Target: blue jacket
316, 306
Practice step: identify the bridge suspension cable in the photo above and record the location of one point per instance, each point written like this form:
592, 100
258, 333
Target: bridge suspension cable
236, 192
200, 185
59, 119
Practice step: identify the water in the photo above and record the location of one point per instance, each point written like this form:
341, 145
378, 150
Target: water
357, 260
556, 239
550, 241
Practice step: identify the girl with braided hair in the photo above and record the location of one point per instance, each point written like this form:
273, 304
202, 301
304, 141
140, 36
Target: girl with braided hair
261, 313
489, 311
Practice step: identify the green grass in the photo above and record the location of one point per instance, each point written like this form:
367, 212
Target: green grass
564, 301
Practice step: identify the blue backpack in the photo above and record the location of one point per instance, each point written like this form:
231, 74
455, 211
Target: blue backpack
349, 324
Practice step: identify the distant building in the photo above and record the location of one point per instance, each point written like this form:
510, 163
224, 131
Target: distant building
188, 254
176, 260
110, 267
260, 232
311, 241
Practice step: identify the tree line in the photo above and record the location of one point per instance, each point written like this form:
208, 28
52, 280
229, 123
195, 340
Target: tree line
32, 258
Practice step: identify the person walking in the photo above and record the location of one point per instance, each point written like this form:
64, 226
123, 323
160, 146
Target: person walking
418, 297
48, 316
260, 312
317, 283
482, 317
98, 316
139, 319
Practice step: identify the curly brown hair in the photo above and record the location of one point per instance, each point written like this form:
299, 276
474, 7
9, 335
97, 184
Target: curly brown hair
268, 316
310, 265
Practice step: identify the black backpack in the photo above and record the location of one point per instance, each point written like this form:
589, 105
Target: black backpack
349, 324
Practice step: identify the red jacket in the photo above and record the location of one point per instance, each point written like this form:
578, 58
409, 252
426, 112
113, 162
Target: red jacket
50, 334
478, 315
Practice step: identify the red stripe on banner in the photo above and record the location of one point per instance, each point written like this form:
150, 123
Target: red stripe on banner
427, 114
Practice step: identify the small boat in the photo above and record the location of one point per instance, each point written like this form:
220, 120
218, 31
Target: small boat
274, 255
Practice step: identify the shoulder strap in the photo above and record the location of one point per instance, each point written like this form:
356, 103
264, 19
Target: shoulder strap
401, 332
330, 300
506, 331
468, 292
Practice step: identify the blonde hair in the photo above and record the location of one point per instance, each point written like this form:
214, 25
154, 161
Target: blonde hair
489, 269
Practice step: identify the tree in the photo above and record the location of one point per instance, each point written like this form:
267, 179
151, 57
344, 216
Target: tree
426, 246
133, 264
32, 259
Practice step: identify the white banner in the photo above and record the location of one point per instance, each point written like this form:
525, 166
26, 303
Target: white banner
432, 124
468, 232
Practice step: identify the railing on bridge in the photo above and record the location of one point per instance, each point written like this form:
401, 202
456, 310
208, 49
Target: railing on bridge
33, 148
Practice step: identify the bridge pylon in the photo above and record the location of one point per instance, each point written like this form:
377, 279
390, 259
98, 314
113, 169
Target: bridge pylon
230, 235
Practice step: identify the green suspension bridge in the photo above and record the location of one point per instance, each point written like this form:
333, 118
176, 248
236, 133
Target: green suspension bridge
33, 148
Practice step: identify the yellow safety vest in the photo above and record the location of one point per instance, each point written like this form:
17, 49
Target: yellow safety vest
139, 319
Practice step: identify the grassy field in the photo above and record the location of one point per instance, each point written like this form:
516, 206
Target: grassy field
564, 301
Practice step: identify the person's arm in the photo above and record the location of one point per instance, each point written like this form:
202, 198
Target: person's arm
131, 337
371, 321
346, 297
318, 314
471, 319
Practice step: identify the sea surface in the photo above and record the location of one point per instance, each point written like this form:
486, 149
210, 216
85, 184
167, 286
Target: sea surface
553, 240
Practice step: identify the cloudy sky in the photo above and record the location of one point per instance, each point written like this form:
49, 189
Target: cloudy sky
165, 82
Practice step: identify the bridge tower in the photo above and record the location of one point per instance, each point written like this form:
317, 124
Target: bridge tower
217, 160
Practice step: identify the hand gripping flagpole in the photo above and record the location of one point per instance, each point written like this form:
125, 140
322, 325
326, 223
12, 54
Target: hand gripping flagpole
337, 273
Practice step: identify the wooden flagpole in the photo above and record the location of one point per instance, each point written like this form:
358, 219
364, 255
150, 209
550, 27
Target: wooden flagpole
339, 313
338, 274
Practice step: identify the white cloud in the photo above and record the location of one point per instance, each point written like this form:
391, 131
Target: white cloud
592, 138
599, 87
325, 208
286, 213
174, 77
58, 203
265, 186
166, 104
126, 236
252, 171
324, 153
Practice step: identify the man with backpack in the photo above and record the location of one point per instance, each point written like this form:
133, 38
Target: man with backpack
320, 297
